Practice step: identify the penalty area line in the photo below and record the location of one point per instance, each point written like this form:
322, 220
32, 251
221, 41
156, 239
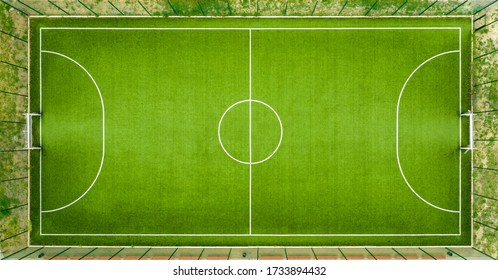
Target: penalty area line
103, 132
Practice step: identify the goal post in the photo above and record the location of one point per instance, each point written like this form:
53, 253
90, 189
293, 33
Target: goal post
470, 115
29, 128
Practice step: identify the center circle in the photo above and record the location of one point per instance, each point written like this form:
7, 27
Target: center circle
250, 101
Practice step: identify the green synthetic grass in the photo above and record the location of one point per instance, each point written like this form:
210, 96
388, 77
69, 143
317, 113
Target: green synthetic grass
334, 179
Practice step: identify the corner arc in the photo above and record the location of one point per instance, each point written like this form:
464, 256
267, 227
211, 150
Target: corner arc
103, 132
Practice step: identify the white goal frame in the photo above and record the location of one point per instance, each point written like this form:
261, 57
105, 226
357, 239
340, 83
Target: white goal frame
470, 147
29, 130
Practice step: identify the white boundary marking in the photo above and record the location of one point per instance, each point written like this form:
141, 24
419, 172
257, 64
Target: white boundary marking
244, 234
250, 28
254, 247
460, 133
358, 28
397, 131
248, 16
250, 131
250, 162
29, 110
471, 105
41, 130
103, 133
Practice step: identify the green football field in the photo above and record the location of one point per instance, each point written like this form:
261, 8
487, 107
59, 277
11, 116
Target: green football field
250, 132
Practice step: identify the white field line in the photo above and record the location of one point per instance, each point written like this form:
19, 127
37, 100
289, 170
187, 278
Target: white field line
29, 110
244, 17
242, 234
250, 131
365, 28
103, 132
460, 132
250, 101
397, 133
41, 129
471, 151
253, 247
250, 28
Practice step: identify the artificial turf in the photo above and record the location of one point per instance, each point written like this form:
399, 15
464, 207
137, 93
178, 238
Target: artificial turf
334, 180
